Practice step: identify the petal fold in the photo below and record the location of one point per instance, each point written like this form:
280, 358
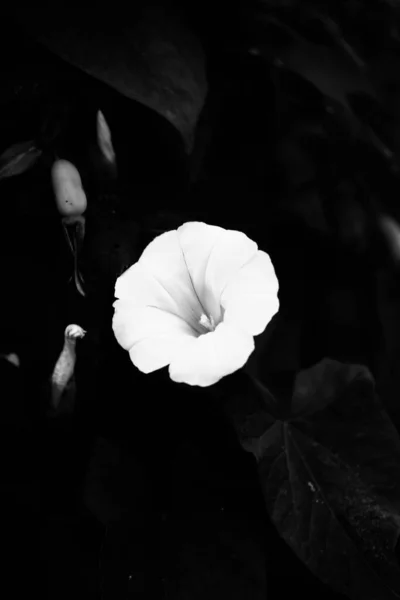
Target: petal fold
197, 241
140, 288
164, 260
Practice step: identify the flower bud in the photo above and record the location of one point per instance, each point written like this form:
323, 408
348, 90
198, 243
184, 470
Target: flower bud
69, 193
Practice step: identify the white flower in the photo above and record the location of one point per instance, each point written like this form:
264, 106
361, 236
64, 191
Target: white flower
194, 301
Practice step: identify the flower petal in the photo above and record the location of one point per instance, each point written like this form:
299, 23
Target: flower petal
205, 360
231, 251
140, 288
165, 260
132, 325
154, 353
197, 241
250, 299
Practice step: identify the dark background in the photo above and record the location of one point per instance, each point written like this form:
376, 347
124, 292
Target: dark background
144, 491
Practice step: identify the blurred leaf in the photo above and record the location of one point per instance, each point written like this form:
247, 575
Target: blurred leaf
148, 56
18, 158
317, 387
324, 24
330, 474
12, 358
390, 229
332, 70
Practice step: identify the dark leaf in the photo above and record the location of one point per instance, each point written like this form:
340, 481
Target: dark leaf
18, 158
331, 477
328, 27
329, 69
153, 59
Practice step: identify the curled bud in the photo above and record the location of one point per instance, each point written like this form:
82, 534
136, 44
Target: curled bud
74, 332
62, 377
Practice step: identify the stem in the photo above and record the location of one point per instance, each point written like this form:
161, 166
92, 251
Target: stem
74, 230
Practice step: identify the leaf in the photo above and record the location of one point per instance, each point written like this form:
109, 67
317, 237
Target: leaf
149, 57
18, 158
332, 29
330, 475
330, 70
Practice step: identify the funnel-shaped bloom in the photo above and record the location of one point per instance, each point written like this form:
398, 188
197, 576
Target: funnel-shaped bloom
194, 301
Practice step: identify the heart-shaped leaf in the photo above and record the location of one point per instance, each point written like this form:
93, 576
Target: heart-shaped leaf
146, 55
330, 474
18, 158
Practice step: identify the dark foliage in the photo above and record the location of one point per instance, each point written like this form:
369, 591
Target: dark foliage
279, 119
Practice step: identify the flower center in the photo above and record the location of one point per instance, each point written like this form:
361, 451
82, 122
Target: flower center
207, 322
